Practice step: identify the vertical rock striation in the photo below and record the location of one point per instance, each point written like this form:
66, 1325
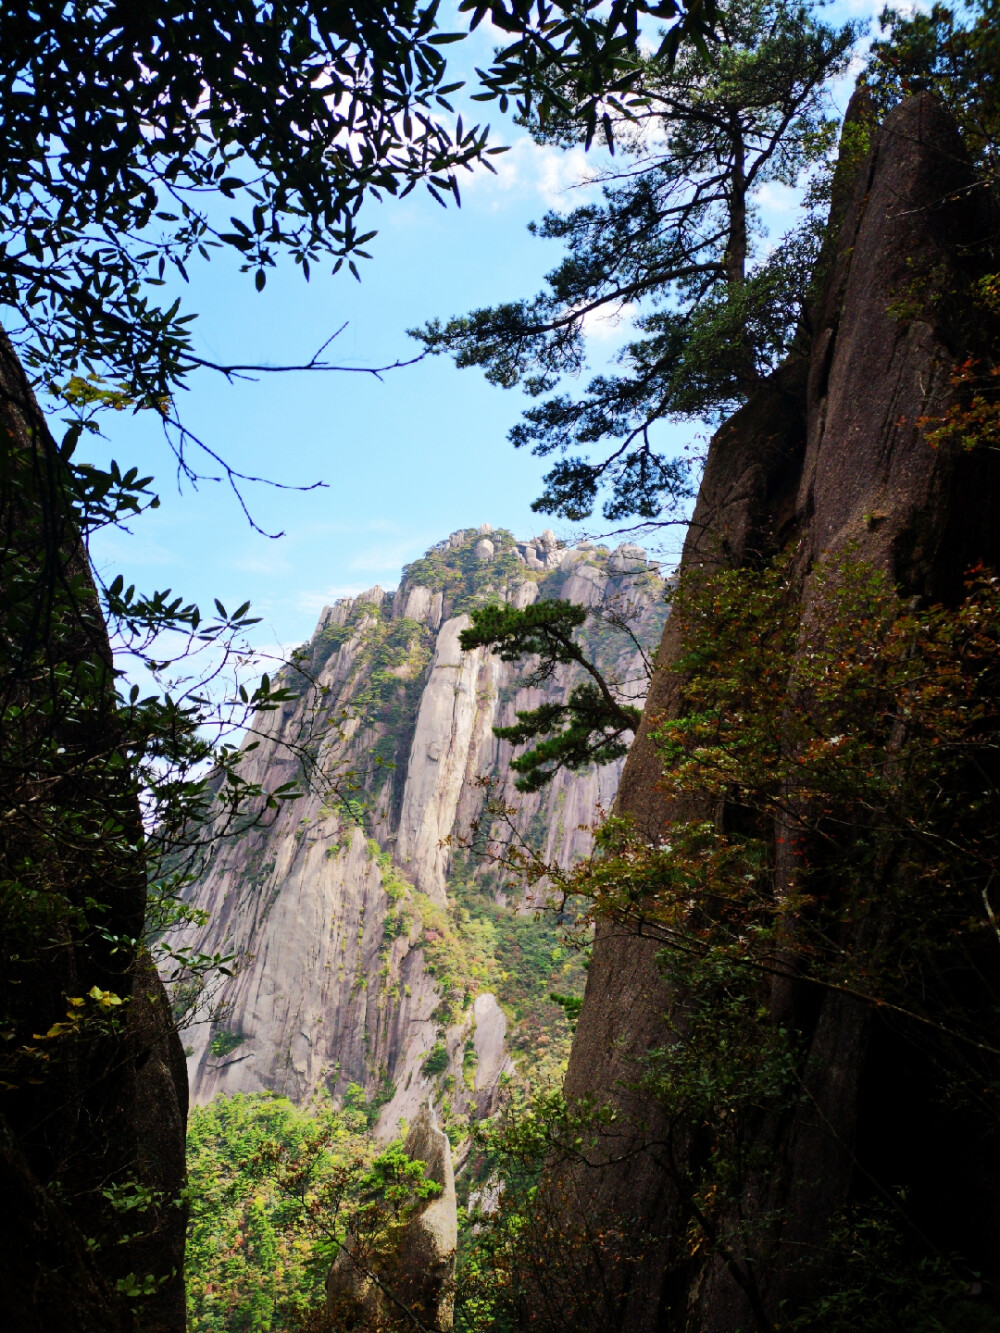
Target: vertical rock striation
334, 908
456, 711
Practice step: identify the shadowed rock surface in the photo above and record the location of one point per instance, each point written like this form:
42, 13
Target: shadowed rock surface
827, 456
102, 1108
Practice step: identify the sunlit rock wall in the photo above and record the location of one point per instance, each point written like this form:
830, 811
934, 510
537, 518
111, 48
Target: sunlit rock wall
389, 736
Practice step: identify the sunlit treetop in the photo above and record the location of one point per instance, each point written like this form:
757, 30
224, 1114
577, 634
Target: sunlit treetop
957, 56
675, 243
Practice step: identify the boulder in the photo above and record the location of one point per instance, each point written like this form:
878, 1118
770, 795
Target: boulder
627, 559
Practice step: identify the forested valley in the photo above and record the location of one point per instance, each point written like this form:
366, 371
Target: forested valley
563, 937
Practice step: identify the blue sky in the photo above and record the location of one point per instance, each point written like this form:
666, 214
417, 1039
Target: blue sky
407, 459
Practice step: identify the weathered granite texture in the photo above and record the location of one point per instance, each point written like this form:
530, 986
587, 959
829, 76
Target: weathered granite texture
387, 701
414, 1285
75, 1122
829, 454
458, 694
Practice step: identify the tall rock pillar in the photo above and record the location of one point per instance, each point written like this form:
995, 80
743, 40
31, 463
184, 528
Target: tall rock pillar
829, 456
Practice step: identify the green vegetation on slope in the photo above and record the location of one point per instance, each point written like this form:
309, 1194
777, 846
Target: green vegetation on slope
465, 580
276, 1190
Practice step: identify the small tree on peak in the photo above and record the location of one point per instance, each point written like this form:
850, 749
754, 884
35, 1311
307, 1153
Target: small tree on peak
590, 727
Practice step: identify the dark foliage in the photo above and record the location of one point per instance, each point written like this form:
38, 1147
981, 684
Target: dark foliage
589, 727
673, 238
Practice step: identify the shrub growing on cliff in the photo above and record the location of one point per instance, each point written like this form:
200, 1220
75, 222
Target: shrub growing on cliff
835, 828
277, 1192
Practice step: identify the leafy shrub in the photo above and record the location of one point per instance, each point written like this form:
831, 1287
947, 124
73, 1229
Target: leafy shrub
276, 1191
437, 1060
224, 1042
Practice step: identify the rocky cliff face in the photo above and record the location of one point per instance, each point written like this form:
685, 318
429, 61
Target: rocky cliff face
92, 1109
355, 964
828, 457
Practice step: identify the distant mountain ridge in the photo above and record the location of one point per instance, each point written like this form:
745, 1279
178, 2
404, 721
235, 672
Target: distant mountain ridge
370, 946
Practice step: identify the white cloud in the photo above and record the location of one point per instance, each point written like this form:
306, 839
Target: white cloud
313, 602
385, 555
870, 9
557, 176
773, 197
261, 564
269, 656
609, 325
